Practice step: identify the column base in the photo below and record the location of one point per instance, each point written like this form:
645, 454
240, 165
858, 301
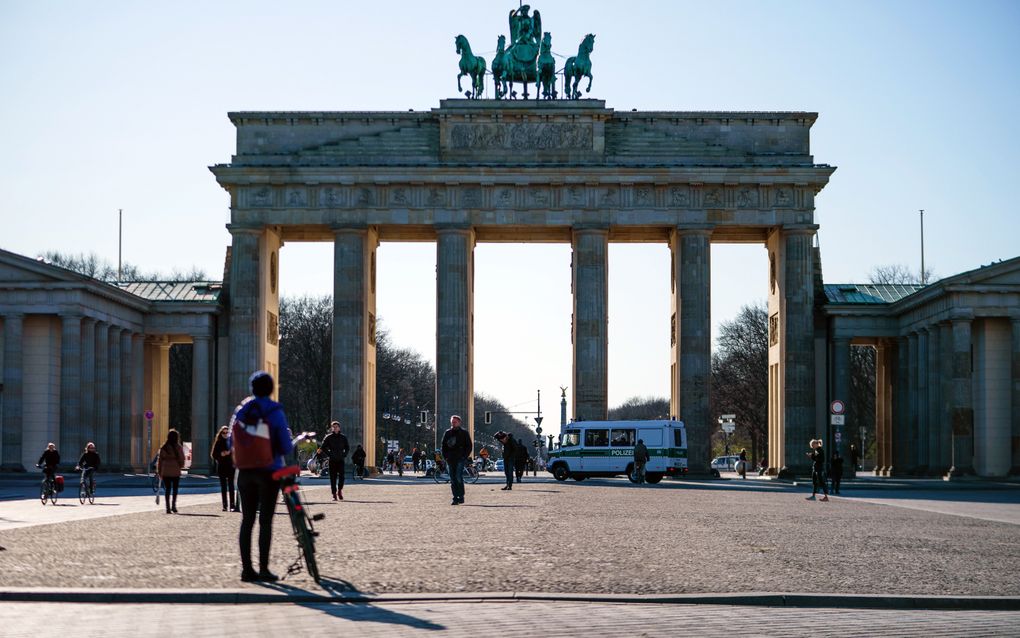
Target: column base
12, 467
957, 473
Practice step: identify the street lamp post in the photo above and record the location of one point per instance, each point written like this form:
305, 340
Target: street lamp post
726, 422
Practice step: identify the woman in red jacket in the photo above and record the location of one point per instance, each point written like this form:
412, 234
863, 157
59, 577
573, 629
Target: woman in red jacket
169, 465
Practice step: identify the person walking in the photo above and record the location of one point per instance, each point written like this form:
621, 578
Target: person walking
335, 447
641, 458
224, 466
521, 459
836, 471
358, 458
169, 463
509, 456
259, 490
400, 462
456, 450
817, 456
415, 458
743, 463
855, 459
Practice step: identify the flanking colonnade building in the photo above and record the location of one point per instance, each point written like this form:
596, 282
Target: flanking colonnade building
486, 171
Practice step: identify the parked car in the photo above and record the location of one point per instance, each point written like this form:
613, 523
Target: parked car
499, 465
727, 463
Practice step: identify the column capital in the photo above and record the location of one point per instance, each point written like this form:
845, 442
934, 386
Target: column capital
593, 228
961, 314
237, 229
353, 228
12, 315
800, 229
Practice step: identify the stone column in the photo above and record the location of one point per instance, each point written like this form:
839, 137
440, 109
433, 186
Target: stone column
900, 434
691, 323
799, 354
70, 383
102, 388
1015, 401
455, 266
126, 398
88, 380
934, 400
116, 439
139, 460
962, 411
841, 390
201, 423
922, 402
590, 325
881, 408
13, 387
245, 310
354, 363
946, 392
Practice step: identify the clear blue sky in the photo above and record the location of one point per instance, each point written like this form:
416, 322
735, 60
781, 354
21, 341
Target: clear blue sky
123, 105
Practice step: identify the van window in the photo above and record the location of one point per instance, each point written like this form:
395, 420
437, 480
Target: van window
652, 438
596, 438
570, 438
621, 438
678, 438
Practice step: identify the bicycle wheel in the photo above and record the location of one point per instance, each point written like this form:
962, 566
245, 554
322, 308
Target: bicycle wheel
44, 492
307, 543
155, 483
92, 495
83, 492
441, 475
470, 474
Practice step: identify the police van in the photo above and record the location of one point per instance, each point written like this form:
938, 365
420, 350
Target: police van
606, 448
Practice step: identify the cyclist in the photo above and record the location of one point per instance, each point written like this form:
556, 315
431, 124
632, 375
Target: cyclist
259, 492
49, 461
359, 461
89, 462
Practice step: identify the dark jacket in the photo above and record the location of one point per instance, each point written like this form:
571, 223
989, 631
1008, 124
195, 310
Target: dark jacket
224, 463
836, 467
89, 459
170, 461
335, 446
279, 433
640, 453
818, 459
49, 458
522, 455
359, 456
456, 444
509, 450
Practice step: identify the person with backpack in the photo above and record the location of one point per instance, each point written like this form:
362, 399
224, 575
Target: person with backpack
259, 440
335, 447
49, 460
169, 464
89, 463
641, 457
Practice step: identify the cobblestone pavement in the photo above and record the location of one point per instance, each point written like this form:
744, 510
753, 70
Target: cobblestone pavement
606, 536
520, 619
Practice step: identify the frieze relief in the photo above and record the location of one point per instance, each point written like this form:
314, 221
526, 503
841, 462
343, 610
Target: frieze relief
524, 136
537, 196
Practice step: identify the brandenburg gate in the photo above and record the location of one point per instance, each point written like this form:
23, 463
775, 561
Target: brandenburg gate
529, 171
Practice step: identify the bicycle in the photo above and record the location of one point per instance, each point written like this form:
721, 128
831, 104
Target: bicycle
154, 478
441, 473
48, 488
358, 473
86, 487
300, 519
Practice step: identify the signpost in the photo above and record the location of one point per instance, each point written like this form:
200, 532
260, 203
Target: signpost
726, 421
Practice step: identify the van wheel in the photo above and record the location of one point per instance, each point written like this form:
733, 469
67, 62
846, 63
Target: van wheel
578, 477
560, 472
630, 473
653, 477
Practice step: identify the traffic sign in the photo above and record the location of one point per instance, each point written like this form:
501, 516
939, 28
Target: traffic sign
538, 419
838, 436
149, 414
837, 407
838, 419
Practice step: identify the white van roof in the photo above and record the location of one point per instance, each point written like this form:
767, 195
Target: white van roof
625, 424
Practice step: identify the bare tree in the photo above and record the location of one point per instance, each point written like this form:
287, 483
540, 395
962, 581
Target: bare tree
740, 375
640, 408
94, 266
898, 274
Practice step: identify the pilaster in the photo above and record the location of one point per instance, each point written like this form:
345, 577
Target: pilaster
692, 342
933, 366
900, 431
13, 393
116, 436
962, 410
798, 356
124, 441
87, 428
138, 407
201, 405
1015, 393
590, 326
921, 449
245, 310
71, 436
102, 389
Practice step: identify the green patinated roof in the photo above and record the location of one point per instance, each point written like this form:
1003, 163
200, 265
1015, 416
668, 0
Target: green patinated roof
195, 291
868, 293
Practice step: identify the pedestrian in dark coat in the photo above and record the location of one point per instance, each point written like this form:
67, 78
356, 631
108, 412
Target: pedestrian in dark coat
415, 458
224, 465
521, 459
456, 450
169, 464
836, 471
358, 458
855, 459
817, 456
509, 458
335, 447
